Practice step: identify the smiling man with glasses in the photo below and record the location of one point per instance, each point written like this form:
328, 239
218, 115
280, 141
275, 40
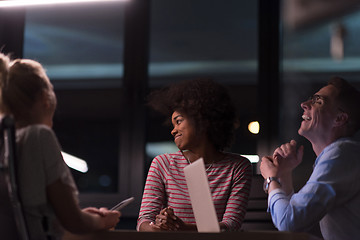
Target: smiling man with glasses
331, 196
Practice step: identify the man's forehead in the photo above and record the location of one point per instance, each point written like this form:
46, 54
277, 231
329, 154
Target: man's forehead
327, 93
328, 90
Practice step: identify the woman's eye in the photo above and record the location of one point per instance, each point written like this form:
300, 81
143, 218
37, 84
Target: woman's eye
179, 121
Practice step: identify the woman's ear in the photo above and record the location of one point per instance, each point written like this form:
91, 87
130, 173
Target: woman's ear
49, 99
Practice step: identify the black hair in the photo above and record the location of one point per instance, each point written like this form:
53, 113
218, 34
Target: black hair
206, 102
348, 99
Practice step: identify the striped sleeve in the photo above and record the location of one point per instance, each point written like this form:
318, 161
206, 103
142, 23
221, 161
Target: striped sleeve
154, 198
239, 195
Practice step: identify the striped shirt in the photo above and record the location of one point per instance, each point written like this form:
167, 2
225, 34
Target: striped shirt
229, 180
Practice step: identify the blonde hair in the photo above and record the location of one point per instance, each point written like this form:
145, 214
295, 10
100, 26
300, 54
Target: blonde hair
22, 83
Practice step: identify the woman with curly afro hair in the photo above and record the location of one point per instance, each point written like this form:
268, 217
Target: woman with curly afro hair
204, 120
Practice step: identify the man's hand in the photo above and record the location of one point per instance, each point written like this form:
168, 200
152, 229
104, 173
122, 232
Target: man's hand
287, 158
268, 167
284, 160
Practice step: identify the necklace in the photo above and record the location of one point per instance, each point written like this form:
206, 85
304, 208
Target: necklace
190, 162
208, 167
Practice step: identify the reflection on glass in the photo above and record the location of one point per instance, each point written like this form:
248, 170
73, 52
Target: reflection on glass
203, 38
77, 42
22, 3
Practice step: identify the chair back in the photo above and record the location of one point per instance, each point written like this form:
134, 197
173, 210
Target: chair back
12, 222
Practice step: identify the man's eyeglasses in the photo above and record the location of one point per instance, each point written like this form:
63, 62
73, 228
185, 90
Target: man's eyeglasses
316, 99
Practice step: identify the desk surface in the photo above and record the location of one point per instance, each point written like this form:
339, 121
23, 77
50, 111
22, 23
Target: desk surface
133, 235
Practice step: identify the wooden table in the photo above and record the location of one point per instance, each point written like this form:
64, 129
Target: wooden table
133, 235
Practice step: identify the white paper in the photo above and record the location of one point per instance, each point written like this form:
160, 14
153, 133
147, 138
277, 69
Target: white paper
200, 196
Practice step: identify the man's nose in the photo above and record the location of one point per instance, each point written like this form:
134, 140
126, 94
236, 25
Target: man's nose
306, 104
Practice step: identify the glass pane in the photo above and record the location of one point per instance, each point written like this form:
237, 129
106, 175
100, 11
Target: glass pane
197, 38
87, 124
311, 56
77, 41
81, 46
98, 147
201, 38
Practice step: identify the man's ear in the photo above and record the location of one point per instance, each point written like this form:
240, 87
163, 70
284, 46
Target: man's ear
341, 119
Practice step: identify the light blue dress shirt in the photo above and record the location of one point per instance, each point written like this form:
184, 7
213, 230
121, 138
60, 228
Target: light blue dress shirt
331, 196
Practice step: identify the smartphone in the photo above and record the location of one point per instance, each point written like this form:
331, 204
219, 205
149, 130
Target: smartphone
122, 204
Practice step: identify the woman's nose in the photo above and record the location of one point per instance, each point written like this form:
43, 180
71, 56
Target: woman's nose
174, 131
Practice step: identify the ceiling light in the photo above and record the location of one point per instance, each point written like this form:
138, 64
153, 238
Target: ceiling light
23, 3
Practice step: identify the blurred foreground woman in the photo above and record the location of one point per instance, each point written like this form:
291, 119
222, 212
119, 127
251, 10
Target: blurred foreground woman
47, 189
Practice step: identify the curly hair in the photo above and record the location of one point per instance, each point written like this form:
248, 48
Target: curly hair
206, 102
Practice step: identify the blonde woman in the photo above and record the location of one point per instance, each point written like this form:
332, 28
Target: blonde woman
47, 189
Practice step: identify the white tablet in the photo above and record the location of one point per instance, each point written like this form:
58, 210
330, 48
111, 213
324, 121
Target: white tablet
200, 196
122, 204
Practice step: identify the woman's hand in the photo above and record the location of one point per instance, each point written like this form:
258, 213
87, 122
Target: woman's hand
166, 220
107, 218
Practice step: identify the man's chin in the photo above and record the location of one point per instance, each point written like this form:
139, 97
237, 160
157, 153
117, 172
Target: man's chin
302, 132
